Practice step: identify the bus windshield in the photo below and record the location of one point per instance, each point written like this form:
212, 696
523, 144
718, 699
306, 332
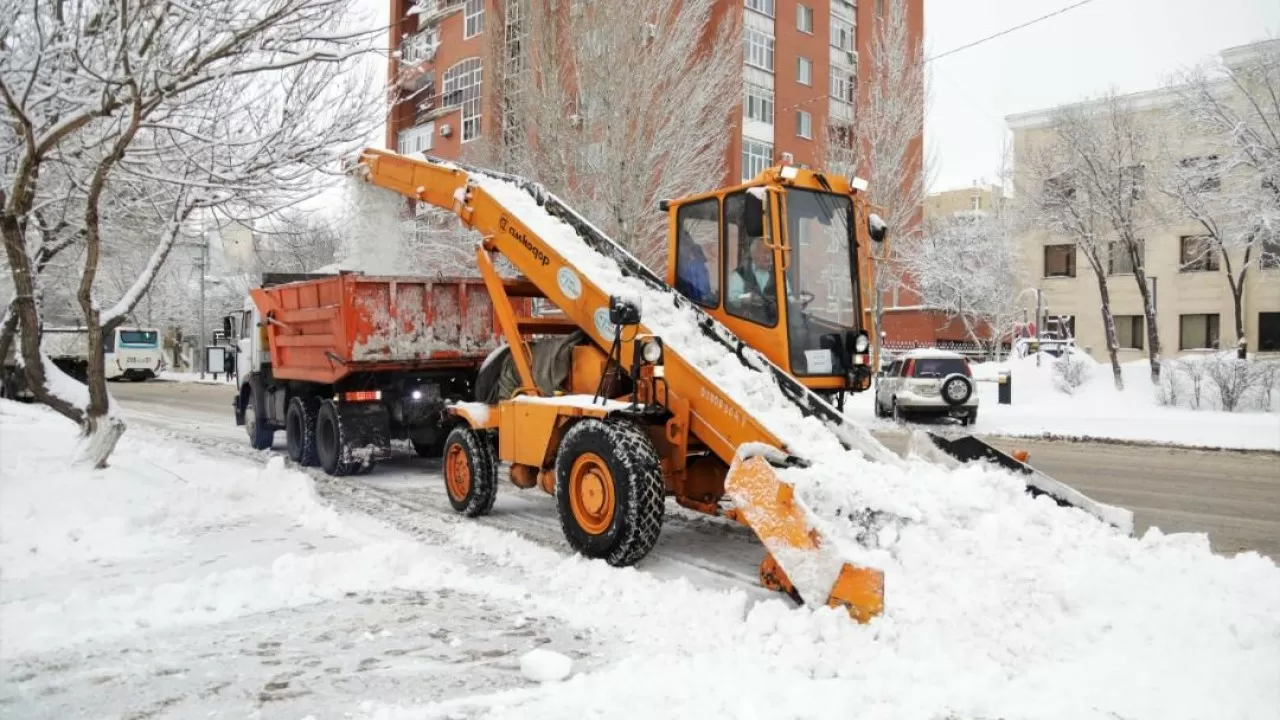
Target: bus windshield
138, 338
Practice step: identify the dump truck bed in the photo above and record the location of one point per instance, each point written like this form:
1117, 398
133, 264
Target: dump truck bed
324, 329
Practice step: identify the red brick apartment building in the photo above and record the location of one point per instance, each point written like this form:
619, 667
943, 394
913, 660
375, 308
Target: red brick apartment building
797, 58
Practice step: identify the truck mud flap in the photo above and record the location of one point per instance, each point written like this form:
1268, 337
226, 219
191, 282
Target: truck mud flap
968, 448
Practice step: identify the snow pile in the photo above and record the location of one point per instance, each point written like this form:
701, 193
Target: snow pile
545, 665
373, 231
1096, 409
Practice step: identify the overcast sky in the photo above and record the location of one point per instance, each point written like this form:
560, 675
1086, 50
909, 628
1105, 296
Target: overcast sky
1131, 44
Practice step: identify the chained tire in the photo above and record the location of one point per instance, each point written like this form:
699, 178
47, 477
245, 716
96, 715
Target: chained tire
470, 471
609, 491
332, 446
261, 435
300, 430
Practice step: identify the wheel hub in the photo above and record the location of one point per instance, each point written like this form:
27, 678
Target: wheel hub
457, 472
591, 493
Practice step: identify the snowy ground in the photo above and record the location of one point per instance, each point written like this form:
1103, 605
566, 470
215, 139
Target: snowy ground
171, 376
182, 583
1098, 411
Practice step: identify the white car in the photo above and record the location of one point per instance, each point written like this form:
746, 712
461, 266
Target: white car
927, 382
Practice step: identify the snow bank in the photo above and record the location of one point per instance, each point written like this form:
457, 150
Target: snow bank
1098, 410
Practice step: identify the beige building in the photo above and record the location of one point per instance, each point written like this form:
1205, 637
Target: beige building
988, 198
1194, 306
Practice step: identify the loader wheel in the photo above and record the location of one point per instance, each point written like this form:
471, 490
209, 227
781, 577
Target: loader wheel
300, 430
331, 445
470, 472
261, 435
609, 491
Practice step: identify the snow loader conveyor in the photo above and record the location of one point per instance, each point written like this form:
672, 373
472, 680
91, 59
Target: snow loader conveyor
641, 421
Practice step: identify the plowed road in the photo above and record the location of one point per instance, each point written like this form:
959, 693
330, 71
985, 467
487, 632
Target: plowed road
1233, 496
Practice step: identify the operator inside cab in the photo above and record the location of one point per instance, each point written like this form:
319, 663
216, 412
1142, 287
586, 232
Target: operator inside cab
753, 290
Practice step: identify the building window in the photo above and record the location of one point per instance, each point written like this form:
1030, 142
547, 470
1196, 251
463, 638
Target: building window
758, 105
756, 156
1133, 178
804, 19
764, 7
416, 139
1198, 254
844, 83
841, 34
1129, 331
1269, 331
804, 71
1269, 257
1201, 173
1120, 262
462, 89
1198, 332
975, 202
759, 49
474, 19
804, 124
1059, 260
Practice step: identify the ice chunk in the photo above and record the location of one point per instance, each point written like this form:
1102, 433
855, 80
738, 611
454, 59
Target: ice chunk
545, 665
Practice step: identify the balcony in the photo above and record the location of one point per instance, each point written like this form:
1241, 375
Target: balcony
419, 47
430, 12
416, 139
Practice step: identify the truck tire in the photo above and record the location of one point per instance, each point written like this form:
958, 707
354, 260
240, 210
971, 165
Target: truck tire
609, 491
470, 472
261, 434
332, 446
300, 430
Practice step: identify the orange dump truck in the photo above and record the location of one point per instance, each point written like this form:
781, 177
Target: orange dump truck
347, 363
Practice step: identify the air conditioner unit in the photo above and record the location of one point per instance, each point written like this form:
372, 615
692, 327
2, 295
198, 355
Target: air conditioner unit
446, 130
575, 120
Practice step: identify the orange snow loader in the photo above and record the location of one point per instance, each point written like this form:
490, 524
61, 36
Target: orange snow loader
588, 403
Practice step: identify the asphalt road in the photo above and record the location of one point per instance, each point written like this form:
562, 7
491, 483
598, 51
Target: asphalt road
1233, 496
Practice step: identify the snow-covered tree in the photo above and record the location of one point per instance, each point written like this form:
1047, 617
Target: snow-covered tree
1232, 192
968, 267
1107, 148
883, 143
132, 117
1055, 198
615, 105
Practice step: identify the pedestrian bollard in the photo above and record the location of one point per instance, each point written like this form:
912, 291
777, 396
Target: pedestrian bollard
1005, 379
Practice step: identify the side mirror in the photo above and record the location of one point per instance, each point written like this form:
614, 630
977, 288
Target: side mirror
753, 215
877, 227
229, 328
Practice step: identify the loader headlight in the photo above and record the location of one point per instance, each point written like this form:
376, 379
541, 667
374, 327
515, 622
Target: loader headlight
651, 350
861, 343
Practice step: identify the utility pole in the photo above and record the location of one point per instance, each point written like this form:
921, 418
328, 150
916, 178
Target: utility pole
204, 270
1039, 326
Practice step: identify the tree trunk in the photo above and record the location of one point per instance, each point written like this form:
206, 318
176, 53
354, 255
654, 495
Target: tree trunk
1149, 312
1109, 327
28, 316
1237, 299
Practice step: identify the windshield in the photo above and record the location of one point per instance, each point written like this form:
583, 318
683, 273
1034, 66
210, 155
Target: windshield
138, 338
820, 287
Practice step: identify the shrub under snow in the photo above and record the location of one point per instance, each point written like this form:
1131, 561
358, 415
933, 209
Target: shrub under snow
1220, 381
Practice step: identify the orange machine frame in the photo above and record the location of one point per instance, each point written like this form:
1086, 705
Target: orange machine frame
700, 414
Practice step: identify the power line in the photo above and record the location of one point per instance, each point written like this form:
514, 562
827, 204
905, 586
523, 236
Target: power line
1009, 30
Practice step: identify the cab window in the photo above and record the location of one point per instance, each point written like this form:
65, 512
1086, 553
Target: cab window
698, 252
751, 288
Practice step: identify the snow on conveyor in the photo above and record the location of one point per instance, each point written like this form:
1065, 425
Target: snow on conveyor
978, 571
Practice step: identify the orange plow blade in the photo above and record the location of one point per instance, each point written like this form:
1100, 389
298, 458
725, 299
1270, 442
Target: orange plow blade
798, 563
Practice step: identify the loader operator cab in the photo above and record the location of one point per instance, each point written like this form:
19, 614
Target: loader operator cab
779, 262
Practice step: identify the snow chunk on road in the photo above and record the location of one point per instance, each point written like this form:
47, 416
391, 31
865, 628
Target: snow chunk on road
545, 665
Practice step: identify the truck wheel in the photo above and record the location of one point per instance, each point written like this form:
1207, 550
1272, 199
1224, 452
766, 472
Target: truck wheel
331, 444
261, 434
300, 430
470, 472
609, 491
